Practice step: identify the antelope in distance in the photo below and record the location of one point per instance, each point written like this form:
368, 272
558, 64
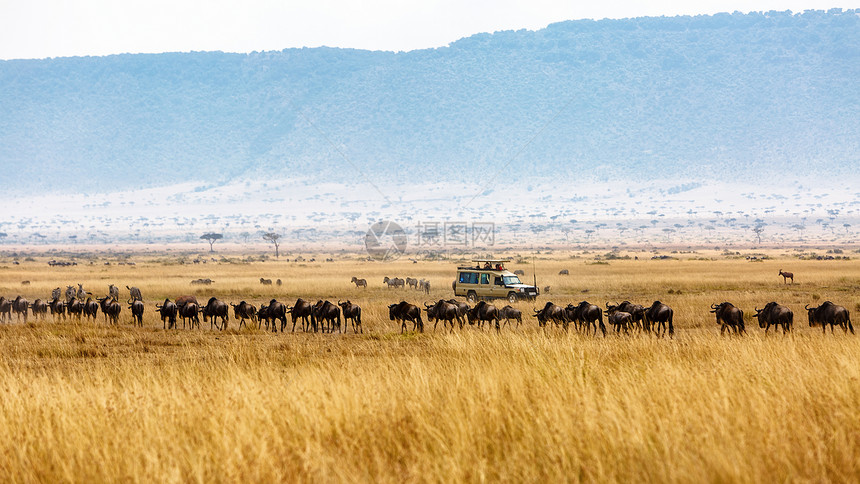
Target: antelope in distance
786, 276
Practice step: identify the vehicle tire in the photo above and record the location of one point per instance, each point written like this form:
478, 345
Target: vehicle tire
471, 297
512, 297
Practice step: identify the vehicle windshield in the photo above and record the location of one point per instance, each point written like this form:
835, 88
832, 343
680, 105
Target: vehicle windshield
511, 280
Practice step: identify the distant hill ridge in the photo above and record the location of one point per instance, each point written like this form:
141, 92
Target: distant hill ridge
725, 95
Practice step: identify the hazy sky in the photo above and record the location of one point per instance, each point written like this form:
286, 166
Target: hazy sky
58, 28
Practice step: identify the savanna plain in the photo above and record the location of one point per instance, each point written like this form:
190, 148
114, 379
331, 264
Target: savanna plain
90, 402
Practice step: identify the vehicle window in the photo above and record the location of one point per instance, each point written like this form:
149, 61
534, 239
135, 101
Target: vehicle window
512, 280
498, 281
485, 278
468, 278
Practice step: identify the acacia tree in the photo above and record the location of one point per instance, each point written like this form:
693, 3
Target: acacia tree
758, 231
274, 239
211, 237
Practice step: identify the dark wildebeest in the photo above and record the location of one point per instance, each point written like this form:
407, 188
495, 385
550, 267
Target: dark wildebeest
20, 306
113, 292
243, 311
215, 309
136, 307
359, 282
91, 309
829, 313
729, 317
167, 310
462, 307
276, 311
183, 300
103, 303
774, 314
135, 293
404, 311
56, 306
563, 272
412, 282
75, 307
786, 276
189, 312
5, 310
551, 313
265, 282
112, 309
351, 312
302, 309
263, 316
658, 316
40, 309
620, 319
443, 311
395, 282
588, 315
326, 315
508, 313
482, 312
635, 310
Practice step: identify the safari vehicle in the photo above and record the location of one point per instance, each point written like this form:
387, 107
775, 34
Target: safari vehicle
488, 279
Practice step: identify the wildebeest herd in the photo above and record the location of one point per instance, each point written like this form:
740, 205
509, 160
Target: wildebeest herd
325, 316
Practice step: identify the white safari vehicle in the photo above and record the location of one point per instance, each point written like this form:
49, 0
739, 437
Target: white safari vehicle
488, 279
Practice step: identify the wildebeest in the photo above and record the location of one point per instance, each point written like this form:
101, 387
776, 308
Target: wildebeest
551, 313
20, 307
189, 312
774, 314
395, 282
729, 317
243, 311
183, 300
135, 293
832, 314
359, 282
462, 307
659, 316
327, 315
276, 311
404, 311
483, 311
167, 310
563, 272
111, 309
5, 310
302, 309
351, 312
265, 282
215, 309
637, 311
204, 282
263, 316
39, 308
786, 276
509, 312
103, 304
443, 311
622, 320
113, 292
56, 306
90, 309
588, 315
136, 307
279, 283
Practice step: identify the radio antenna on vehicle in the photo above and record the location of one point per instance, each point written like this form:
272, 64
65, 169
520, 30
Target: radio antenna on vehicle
534, 272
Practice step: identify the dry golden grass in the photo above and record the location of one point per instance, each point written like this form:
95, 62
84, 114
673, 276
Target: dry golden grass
85, 402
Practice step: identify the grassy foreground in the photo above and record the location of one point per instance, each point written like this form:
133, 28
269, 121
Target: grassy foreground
90, 403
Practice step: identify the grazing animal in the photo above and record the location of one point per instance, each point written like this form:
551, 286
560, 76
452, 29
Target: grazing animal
204, 282
215, 309
91, 309
359, 282
443, 311
40, 309
404, 311
276, 311
327, 315
352, 313
563, 272
424, 286
832, 314
70, 293
81, 293
263, 316
412, 282
167, 311
5, 310
103, 303
786, 276
265, 282
302, 309
508, 313
56, 293
620, 319
135, 293
551, 313
56, 306
635, 310
136, 307
729, 317
659, 316
112, 309
183, 300
243, 311
20, 307
462, 307
483, 311
520, 272
774, 314
25, 283
588, 315
395, 282
189, 312
113, 291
